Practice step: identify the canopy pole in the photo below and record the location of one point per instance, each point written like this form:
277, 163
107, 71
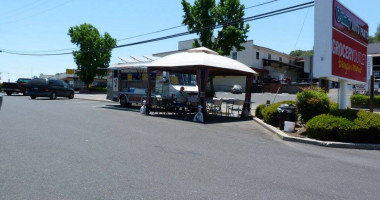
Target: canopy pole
247, 103
149, 92
202, 77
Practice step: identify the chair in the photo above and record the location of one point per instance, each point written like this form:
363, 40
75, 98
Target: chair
236, 106
216, 107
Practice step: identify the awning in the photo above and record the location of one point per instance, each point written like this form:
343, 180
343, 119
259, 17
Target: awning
263, 71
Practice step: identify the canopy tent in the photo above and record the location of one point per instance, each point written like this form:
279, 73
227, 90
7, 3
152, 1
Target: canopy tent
202, 62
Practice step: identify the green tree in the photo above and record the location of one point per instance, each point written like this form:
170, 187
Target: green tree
376, 37
94, 52
301, 53
205, 14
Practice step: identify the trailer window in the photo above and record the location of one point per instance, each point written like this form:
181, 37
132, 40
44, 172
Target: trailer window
136, 76
182, 79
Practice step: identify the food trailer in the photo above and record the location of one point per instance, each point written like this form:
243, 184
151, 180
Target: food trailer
127, 83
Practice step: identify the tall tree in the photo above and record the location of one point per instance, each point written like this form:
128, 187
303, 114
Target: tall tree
199, 16
376, 37
301, 53
232, 34
205, 14
94, 52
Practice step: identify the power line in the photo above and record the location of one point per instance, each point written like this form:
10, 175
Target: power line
256, 17
174, 27
136, 36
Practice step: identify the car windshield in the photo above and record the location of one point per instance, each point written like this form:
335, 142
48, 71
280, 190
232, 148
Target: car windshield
237, 86
182, 79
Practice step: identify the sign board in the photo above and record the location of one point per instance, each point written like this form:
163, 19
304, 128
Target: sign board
70, 71
340, 43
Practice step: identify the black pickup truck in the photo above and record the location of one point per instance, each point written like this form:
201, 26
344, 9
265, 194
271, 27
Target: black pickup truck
18, 87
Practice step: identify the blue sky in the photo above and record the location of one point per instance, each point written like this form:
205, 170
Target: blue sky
42, 25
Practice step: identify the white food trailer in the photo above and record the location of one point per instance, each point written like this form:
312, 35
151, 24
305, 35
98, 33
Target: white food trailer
127, 83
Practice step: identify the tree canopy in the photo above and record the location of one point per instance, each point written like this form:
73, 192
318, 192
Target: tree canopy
94, 52
376, 37
205, 14
301, 53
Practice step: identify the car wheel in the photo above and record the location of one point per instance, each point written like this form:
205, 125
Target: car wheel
53, 96
123, 101
9, 93
33, 97
71, 96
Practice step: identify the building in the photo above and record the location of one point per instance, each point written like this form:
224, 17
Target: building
374, 51
273, 67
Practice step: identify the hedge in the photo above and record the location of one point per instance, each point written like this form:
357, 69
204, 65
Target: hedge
259, 109
361, 100
270, 114
345, 126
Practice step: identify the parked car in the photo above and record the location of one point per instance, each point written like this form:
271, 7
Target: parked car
18, 87
236, 89
39, 87
1, 100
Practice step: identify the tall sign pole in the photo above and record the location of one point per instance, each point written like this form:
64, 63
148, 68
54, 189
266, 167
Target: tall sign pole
340, 46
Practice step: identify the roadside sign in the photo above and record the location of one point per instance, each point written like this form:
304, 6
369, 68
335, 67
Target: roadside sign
340, 43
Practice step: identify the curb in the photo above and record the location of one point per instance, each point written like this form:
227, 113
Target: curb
92, 99
286, 137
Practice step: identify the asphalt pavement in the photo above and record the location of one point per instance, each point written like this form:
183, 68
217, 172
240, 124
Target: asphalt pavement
82, 149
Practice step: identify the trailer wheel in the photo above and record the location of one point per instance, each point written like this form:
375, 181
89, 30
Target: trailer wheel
123, 101
9, 93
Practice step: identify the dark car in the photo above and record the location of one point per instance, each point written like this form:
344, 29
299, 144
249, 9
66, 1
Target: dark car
236, 89
39, 87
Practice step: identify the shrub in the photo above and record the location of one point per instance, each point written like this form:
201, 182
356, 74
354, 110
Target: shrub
312, 102
1, 86
334, 106
345, 126
98, 89
270, 113
259, 109
359, 100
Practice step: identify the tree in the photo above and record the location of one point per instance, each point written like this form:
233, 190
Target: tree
376, 37
205, 14
94, 52
301, 53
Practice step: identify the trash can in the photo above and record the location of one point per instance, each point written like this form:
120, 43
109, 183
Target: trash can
287, 112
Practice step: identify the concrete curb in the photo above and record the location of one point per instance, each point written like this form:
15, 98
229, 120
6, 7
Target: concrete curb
286, 137
81, 98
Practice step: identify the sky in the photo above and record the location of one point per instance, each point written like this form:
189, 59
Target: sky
39, 26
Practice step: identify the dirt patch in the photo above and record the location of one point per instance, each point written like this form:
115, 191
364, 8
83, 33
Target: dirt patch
299, 131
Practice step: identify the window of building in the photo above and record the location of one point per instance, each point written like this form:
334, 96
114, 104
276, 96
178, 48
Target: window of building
234, 55
257, 55
269, 57
290, 62
280, 59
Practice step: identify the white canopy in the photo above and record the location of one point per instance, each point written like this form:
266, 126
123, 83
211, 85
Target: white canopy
200, 57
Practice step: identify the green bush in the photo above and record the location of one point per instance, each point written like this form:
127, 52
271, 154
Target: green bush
345, 126
334, 106
359, 100
1, 86
98, 89
312, 102
259, 109
362, 100
270, 114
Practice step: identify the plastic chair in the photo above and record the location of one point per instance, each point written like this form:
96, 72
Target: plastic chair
216, 107
236, 106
